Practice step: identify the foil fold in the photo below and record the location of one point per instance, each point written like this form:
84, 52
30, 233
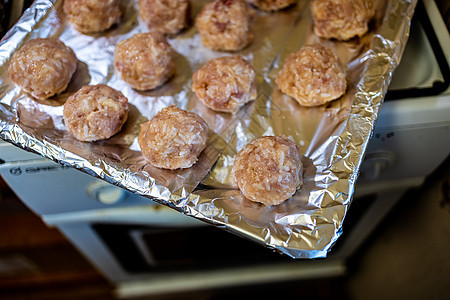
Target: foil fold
332, 138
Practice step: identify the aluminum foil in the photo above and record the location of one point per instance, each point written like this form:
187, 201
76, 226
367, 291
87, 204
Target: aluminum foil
332, 137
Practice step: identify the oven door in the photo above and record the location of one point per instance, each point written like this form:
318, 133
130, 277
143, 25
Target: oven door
155, 258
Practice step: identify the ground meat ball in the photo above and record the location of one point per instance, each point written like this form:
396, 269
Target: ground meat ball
90, 16
173, 138
268, 170
271, 5
95, 112
341, 19
313, 76
225, 84
43, 67
165, 16
144, 61
225, 25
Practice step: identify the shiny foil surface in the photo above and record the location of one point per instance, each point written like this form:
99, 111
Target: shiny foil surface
332, 137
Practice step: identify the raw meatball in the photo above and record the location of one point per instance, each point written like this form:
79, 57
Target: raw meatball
95, 112
145, 61
90, 16
225, 25
312, 76
271, 5
173, 138
341, 19
165, 16
225, 83
43, 67
268, 170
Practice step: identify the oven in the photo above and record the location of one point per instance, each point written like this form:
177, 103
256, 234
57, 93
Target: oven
143, 247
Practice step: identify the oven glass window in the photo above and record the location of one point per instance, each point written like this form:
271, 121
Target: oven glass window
144, 249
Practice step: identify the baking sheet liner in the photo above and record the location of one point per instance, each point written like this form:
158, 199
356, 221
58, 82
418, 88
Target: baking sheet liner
332, 138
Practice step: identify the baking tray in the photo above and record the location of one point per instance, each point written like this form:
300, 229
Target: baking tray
332, 138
